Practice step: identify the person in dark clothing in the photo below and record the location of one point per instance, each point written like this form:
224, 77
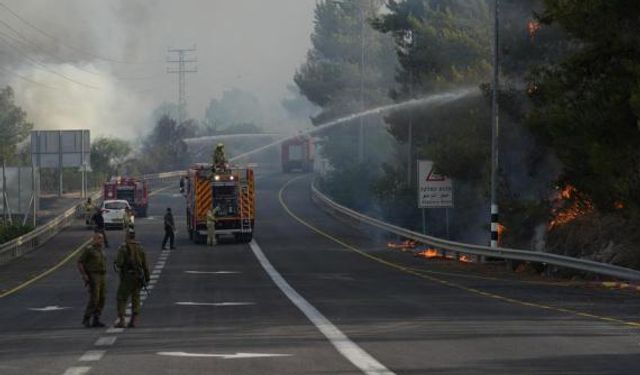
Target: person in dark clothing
169, 230
98, 221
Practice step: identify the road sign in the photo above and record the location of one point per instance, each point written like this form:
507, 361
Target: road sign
61, 148
434, 190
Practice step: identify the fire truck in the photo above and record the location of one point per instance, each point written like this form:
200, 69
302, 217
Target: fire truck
297, 154
130, 189
231, 191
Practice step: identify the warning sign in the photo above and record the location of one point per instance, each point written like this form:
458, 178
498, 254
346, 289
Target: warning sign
434, 190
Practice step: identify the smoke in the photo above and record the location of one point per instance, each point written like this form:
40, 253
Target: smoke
102, 64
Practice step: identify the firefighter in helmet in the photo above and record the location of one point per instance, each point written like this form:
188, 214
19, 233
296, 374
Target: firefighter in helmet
219, 158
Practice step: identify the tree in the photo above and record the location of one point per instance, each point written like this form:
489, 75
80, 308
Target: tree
587, 108
108, 155
234, 107
165, 148
334, 78
14, 128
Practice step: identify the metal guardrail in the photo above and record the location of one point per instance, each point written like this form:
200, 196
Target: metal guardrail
27, 242
505, 253
30, 241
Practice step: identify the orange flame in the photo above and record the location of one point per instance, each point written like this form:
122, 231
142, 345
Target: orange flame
428, 253
407, 244
570, 207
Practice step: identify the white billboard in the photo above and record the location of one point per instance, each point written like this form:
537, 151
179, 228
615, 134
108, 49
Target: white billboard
434, 190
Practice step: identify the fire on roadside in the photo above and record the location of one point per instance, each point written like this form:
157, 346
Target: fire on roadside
569, 205
431, 253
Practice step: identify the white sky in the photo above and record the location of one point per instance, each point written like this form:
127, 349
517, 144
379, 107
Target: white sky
255, 45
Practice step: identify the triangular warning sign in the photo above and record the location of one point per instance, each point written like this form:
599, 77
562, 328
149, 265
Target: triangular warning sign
433, 176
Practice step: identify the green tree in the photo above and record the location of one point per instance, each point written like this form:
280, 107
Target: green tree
334, 78
587, 107
14, 128
165, 149
108, 155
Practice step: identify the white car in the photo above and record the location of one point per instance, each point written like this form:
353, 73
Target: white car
113, 212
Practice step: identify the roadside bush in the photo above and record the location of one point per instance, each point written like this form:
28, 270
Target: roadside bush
9, 231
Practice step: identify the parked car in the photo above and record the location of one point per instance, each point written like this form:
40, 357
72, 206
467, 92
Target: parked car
113, 212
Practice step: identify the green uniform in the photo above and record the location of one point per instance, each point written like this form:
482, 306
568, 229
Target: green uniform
132, 264
94, 263
219, 158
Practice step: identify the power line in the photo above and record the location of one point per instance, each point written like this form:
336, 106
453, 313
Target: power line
69, 46
43, 66
182, 60
28, 80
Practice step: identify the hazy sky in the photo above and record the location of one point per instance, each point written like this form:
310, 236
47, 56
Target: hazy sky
102, 64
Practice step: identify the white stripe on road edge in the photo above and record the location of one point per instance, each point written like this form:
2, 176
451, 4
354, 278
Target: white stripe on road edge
223, 356
212, 272
106, 341
114, 329
154, 277
92, 355
77, 370
350, 350
216, 304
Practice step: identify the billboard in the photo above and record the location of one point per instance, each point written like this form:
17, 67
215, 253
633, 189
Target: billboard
434, 190
61, 148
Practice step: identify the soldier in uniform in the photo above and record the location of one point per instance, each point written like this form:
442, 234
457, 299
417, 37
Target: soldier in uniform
128, 221
131, 263
89, 209
92, 265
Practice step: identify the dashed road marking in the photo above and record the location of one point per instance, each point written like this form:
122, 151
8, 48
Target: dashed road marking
77, 370
113, 330
215, 304
92, 356
349, 349
106, 341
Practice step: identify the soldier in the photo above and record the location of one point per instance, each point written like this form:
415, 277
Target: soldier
131, 263
99, 226
169, 230
211, 226
92, 265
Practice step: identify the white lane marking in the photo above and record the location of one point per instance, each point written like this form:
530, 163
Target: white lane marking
350, 350
212, 272
77, 370
92, 355
154, 277
155, 272
106, 341
115, 330
49, 308
160, 264
223, 356
217, 304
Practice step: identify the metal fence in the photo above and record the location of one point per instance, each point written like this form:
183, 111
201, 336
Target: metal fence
504, 253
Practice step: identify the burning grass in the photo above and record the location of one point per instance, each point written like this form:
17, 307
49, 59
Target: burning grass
568, 205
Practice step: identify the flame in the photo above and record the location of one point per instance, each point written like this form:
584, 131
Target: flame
428, 253
569, 206
465, 259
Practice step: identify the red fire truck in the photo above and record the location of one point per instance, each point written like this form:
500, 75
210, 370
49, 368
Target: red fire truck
130, 189
297, 154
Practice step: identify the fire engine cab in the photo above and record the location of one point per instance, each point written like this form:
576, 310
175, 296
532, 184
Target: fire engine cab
130, 189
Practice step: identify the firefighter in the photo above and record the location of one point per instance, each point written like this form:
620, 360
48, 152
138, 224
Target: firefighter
92, 265
89, 209
219, 158
211, 226
131, 264
99, 226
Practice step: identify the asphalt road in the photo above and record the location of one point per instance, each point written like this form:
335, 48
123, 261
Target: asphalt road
322, 297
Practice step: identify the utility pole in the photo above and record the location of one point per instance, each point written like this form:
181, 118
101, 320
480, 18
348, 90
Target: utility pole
182, 58
362, 107
495, 117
